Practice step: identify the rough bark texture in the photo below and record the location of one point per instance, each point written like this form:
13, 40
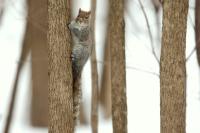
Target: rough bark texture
172, 67
95, 85
197, 29
118, 76
60, 68
36, 38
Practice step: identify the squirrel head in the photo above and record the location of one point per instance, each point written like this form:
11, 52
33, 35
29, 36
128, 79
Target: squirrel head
80, 26
82, 19
83, 16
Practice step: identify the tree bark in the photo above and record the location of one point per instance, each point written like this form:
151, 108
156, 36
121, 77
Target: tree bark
36, 38
197, 29
60, 68
105, 93
172, 67
34, 42
118, 75
95, 85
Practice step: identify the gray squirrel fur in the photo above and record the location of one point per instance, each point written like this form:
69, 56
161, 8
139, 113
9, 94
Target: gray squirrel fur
81, 50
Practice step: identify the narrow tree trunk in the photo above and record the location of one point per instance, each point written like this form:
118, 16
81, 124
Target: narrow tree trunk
1, 9
172, 67
36, 37
105, 93
95, 85
118, 75
157, 7
26, 48
35, 41
197, 29
60, 70
14, 91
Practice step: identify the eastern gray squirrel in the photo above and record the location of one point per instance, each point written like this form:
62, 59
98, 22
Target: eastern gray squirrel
82, 47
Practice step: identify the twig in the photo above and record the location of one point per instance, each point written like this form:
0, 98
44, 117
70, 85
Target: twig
142, 70
132, 67
149, 31
191, 53
26, 48
192, 23
194, 49
12, 101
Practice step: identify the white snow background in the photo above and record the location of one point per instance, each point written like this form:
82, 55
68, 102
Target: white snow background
142, 88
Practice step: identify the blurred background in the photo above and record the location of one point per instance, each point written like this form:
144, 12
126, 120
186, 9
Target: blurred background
23, 67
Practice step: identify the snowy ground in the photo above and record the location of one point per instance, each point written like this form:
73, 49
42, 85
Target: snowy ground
142, 87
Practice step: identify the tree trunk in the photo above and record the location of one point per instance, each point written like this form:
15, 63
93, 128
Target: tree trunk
95, 85
35, 41
118, 75
60, 68
36, 38
197, 29
105, 93
172, 67
1, 9
24, 53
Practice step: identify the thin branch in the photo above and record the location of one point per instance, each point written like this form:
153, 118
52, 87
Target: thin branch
26, 49
192, 23
193, 50
149, 31
195, 47
191, 53
142, 70
132, 67
12, 101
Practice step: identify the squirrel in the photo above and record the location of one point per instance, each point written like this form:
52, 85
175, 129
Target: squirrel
81, 50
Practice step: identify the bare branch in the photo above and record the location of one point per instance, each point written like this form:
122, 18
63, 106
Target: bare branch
142, 70
195, 47
132, 67
149, 31
192, 23
191, 53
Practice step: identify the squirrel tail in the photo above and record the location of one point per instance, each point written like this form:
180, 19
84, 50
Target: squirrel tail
77, 96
